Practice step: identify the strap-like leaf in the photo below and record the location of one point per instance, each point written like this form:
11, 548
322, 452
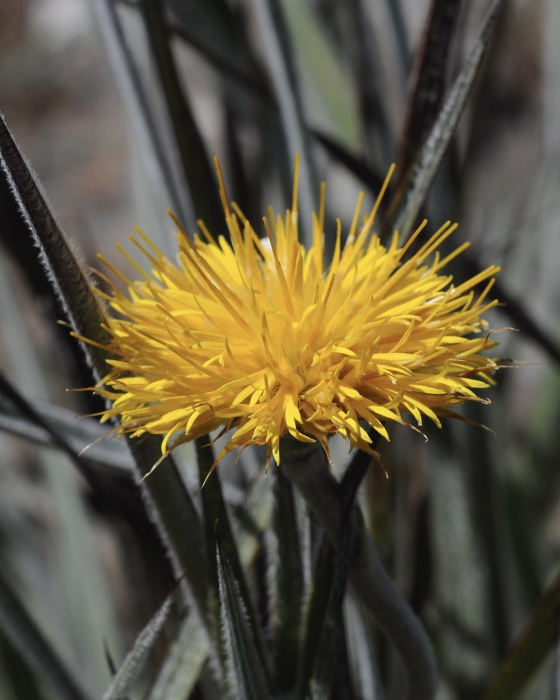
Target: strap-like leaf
411, 194
244, 676
183, 663
331, 676
170, 505
307, 467
215, 511
135, 93
287, 599
136, 658
194, 159
75, 290
429, 78
281, 67
23, 633
534, 643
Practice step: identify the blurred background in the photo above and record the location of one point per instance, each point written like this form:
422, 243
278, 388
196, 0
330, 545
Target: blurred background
469, 522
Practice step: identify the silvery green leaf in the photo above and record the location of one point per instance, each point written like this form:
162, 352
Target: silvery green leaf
429, 77
288, 586
243, 674
280, 62
24, 634
331, 674
183, 663
136, 658
216, 512
411, 194
61, 263
252, 518
536, 641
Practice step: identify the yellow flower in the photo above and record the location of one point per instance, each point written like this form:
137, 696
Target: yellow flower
263, 337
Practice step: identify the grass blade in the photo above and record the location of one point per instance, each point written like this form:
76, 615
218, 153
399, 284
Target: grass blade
167, 500
410, 195
213, 26
534, 643
25, 636
331, 677
429, 78
307, 467
137, 102
183, 664
136, 658
288, 586
105, 455
63, 268
192, 152
215, 511
244, 676
279, 59
58, 440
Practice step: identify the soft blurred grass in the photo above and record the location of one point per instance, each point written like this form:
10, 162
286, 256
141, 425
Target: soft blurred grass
489, 506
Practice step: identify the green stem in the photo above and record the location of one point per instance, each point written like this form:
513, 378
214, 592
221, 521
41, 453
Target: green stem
307, 466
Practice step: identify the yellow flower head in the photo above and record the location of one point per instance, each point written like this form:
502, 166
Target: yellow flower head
263, 337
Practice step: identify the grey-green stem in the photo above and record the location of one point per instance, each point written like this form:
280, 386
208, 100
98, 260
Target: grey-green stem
306, 465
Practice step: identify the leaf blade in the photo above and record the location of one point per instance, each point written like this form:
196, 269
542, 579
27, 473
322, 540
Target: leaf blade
20, 629
136, 658
410, 196
244, 677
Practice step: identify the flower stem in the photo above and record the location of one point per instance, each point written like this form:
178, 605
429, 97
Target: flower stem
307, 466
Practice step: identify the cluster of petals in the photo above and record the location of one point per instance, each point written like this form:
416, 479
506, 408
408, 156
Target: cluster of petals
262, 337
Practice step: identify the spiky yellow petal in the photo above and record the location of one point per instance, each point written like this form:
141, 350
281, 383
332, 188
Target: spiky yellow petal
261, 337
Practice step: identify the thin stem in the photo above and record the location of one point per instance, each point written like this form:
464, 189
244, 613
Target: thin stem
306, 465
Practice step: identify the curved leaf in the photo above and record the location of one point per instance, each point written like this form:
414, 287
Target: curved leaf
287, 602
244, 676
23, 633
535, 642
136, 658
183, 664
67, 275
411, 194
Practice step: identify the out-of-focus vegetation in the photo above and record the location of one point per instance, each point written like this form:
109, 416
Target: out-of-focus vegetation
119, 106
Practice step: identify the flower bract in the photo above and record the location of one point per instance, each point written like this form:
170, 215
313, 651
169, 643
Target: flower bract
265, 337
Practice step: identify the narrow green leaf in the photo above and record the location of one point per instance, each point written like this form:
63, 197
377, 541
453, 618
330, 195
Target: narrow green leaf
110, 455
306, 466
244, 676
410, 196
287, 602
135, 94
8, 391
429, 78
25, 636
136, 658
279, 60
362, 653
396, 16
378, 137
215, 511
331, 677
329, 75
183, 664
211, 24
316, 607
67, 275
194, 159
253, 518
535, 642
356, 166
168, 502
